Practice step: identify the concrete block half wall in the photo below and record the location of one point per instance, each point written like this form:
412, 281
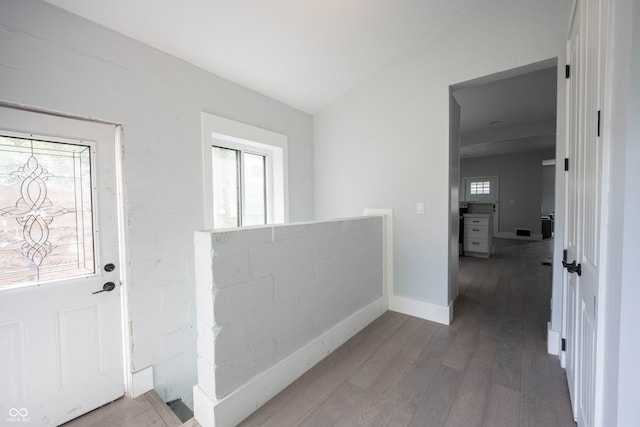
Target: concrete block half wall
273, 301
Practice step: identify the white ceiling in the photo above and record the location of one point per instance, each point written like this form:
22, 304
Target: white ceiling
514, 101
510, 115
305, 53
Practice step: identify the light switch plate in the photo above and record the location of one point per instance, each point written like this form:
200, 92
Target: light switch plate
420, 208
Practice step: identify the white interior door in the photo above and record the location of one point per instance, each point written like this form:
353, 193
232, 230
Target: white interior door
61, 352
584, 210
573, 200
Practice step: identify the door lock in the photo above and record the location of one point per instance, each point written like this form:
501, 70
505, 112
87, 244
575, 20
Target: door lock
109, 267
107, 287
572, 267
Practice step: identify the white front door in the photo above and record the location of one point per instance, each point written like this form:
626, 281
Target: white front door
584, 210
61, 342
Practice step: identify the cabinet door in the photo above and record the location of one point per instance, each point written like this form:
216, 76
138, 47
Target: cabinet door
476, 231
476, 221
476, 245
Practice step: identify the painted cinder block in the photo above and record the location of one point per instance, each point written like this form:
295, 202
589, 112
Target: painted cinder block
326, 227
203, 256
262, 356
236, 302
175, 368
273, 289
241, 369
292, 253
228, 377
205, 304
230, 343
230, 265
178, 339
295, 281
205, 340
204, 277
290, 231
231, 238
261, 259
206, 375
231, 253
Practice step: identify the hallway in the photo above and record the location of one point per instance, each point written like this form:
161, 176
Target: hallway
488, 368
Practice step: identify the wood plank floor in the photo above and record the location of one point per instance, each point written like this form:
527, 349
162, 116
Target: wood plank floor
148, 410
489, 368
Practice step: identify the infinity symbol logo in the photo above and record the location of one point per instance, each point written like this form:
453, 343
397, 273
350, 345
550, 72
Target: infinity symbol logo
13, 412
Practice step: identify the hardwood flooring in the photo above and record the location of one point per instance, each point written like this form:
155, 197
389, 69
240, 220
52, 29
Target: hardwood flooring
148, 410
488, 368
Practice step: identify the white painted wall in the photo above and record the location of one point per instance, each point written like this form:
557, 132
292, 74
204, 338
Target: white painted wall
269, 299
386, 142
621, 109
548, 189
454, 197
54, 60
629, 374
521, 186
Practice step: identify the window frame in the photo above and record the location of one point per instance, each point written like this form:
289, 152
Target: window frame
494, 189
243, 149
96, 244
227, 133
480, 187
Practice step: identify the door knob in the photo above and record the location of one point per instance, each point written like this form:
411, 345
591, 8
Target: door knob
107, 287
572, 267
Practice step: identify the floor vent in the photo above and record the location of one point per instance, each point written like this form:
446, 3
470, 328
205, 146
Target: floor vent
523, 232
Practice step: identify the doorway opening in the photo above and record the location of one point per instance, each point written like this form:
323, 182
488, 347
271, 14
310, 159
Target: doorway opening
503, 126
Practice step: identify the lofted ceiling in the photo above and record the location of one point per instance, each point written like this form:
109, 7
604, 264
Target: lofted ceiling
308, 53
304, 53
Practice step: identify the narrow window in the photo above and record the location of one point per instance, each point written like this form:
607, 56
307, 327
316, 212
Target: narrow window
226, 187
240, 196
255, 189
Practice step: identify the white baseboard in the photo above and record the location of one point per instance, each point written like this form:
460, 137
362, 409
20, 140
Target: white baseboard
513, 236
141, 381
241, 403
424, 310
553, 340
411, 307
203, 407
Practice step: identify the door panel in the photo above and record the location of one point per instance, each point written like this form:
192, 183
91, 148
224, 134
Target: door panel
584, 209
63, 355
590, 175
573, 200
586, 365
76, 328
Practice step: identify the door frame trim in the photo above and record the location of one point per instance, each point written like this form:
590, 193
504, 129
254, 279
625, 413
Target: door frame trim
125, 301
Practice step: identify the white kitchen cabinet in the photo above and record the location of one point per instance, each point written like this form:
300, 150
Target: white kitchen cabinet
478, 235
